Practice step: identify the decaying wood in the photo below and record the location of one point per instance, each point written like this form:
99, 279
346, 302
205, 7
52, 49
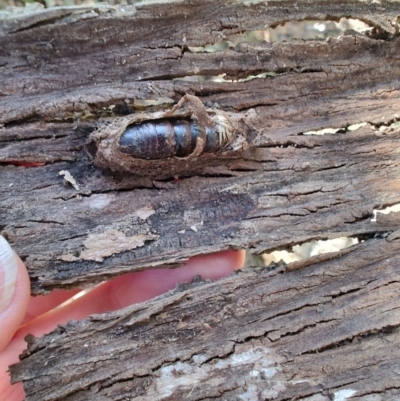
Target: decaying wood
288, 188
324, 187
318, 333
329, 325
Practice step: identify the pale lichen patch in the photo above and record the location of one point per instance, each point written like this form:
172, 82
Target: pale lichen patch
99, 201
343, 395
145, 212
193, 373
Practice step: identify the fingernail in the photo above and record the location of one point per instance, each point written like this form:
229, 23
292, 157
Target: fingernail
8, 273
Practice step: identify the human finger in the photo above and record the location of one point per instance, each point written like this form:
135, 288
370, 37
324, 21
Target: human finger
14, 292
40, 304
115, 294
135, 287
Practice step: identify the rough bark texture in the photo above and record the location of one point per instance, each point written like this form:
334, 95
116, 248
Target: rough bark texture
324, 327
314, 333
288, 188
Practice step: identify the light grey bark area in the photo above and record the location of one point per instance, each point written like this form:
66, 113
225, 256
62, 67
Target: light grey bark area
322, 329
319, 332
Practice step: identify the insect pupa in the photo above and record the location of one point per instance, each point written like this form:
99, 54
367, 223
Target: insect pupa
163, 144
162, 139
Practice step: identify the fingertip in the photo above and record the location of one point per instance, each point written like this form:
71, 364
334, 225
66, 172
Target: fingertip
240, 258
13, 314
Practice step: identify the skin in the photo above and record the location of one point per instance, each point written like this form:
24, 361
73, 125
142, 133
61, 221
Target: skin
40, 315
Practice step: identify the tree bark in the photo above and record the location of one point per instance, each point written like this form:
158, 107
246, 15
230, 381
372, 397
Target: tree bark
315, 333
68, 69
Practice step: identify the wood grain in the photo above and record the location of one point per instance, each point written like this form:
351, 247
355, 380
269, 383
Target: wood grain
320, 329
328, 329
288, 188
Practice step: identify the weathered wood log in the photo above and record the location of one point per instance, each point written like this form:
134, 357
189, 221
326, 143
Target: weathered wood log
316, 333
290, 186
63, 69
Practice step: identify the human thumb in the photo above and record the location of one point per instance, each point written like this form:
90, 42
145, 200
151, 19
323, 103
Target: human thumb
14, 292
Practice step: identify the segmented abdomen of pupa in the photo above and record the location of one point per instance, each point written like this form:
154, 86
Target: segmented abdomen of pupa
165, 138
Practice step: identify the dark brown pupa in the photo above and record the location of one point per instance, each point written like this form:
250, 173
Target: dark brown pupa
165, 138
184, 140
